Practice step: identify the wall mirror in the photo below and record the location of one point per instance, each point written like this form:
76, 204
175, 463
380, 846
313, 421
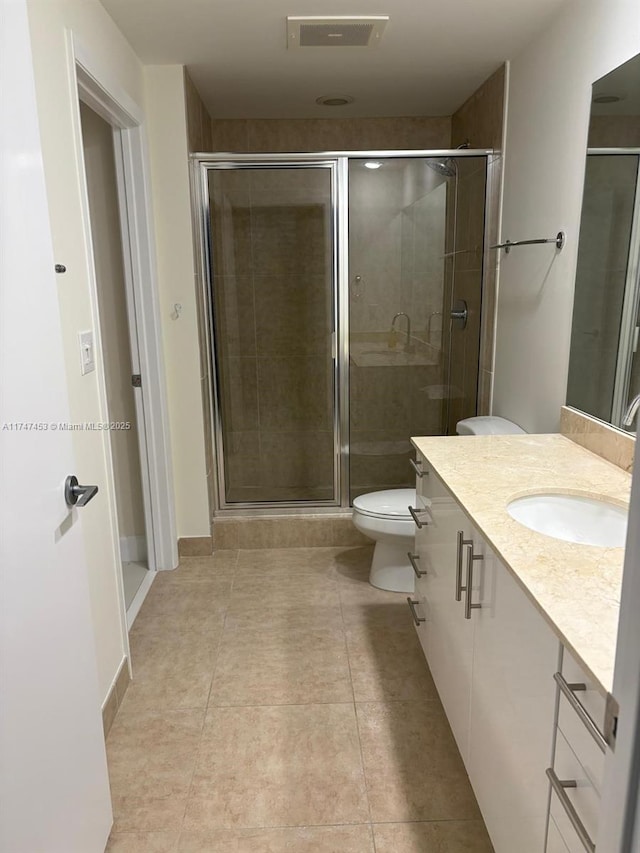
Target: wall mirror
604, 365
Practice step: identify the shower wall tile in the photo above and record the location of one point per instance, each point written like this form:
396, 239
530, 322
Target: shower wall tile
240, 394
485, 392
614, 131
295, 394
230, 135
293, 315
234, 302
348, 134
314, 183
480, 118
289, 240
298, 459
242, 459
231, 228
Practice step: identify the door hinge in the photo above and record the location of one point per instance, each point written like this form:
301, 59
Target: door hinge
611, 714
136, 380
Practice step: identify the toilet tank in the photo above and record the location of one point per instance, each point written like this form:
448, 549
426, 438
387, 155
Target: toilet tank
488, 425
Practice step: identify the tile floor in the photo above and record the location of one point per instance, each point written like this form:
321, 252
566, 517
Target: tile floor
282, 705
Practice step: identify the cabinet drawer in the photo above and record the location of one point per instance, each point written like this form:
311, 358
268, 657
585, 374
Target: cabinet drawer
555, 841
591, 699
583, 797
582, 743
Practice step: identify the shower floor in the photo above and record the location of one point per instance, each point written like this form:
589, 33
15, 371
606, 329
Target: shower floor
281, 703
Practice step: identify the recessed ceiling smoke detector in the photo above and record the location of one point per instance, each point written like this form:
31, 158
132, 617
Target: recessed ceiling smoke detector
334, 100
337, 31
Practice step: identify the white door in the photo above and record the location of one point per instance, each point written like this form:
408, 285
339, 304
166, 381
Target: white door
54, 790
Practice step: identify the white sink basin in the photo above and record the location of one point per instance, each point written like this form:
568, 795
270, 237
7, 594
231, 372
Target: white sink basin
572, 518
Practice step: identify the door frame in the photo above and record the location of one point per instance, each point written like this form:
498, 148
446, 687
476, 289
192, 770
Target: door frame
94, 87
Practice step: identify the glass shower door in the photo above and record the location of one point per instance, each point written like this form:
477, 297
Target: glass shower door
273, 275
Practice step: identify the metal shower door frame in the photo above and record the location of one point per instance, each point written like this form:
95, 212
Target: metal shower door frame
210, 163
338, 162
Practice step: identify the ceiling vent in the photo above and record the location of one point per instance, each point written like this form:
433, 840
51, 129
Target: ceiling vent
339, 31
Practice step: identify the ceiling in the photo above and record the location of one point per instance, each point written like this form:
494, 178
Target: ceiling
624, 82
432, 56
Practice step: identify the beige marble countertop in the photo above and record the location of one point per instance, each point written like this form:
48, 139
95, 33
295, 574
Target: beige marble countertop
575, 587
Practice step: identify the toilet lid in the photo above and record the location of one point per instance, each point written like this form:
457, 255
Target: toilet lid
392, 503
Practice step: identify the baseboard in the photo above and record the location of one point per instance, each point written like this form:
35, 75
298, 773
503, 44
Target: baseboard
115, 696
133, 549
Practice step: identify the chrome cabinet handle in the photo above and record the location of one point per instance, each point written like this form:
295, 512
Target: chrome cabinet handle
461, 543
412, 560
416, 467
559, 786
468, 589
412, 607
414, 515
569, 691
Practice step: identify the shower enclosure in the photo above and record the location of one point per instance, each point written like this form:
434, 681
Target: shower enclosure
342, 297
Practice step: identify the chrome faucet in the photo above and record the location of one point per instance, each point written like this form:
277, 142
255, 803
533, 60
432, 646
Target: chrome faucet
407, 343
631, 411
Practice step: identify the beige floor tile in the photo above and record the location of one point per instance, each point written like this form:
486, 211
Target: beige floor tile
171, 671
434, 837
361, 594
137, 814
259, 594
143, 842
353, 564
287, 765
275, 561
244, 613
182, 607
412, 765
313, 839
391, 614
387, 662
221, 565
275, 665
153, 755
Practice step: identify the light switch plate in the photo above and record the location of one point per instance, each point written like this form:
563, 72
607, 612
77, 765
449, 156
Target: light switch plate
87, 352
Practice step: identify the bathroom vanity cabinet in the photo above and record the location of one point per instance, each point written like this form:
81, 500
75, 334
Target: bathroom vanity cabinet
522, 655
492, 657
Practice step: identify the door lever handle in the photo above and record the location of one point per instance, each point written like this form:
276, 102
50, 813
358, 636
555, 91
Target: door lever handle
77, 495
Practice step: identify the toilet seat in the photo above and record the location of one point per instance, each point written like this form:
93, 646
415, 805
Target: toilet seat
391, 503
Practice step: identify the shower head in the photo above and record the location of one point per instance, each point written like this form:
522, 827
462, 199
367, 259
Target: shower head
447, 167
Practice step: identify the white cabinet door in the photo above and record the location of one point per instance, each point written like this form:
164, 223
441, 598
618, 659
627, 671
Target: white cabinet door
446, 636
512, 707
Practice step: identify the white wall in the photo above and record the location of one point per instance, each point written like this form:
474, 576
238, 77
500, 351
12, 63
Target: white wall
167, 128
547, 122
50, 20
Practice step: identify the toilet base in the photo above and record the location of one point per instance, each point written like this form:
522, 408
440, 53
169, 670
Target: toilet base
390, 567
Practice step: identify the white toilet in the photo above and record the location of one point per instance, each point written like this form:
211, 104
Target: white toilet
385, 518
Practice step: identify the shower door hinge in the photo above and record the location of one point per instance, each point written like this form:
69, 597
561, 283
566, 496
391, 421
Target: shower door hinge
136, 380
334, 347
